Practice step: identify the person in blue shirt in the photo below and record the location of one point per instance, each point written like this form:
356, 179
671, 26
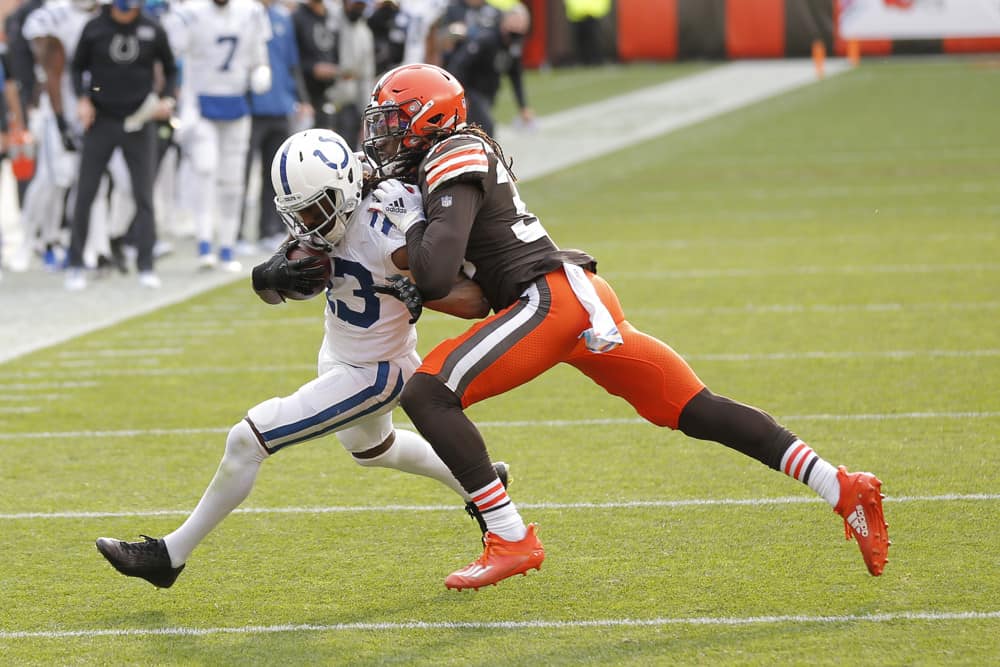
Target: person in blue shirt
272, 113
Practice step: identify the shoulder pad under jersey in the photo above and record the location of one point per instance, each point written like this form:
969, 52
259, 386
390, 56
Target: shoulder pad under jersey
455, 156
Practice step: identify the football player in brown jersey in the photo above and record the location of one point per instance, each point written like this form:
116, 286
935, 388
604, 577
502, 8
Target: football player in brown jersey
549, 306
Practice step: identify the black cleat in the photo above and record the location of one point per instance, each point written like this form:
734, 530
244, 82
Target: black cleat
147, 560
118, 259
503, 472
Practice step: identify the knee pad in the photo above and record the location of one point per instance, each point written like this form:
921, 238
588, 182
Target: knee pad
366, 435
242, 443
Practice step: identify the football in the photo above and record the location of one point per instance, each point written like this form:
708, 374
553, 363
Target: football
299, 251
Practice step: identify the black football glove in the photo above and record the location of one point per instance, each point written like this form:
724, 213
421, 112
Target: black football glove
66, 133
279, 273
402, 288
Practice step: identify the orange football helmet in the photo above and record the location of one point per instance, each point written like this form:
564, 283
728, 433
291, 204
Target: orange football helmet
410, 106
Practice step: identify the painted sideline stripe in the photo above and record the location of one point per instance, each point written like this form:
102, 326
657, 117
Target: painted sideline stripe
191, 327
78, 368
509, 625
885, 354
807, 271
557, 423
626, 504
771, 308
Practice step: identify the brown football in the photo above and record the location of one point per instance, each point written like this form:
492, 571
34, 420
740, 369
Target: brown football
299, 251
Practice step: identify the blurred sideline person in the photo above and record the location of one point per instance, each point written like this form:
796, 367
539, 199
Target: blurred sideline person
21, 68
53, 31
585, 18
14, 139
420, 18
316, 35
388, 26
482, 58
404, 32
223, 46
356, 74
271, 118
549, 307
113, 75
368, 351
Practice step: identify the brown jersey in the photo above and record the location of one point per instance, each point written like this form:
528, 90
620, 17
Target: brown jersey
477, 223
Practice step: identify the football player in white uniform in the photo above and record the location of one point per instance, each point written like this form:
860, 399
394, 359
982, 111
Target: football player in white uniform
223, 47
53, 30
420, 18
368, 351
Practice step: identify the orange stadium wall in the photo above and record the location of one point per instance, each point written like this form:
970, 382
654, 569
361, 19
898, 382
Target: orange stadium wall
718, 29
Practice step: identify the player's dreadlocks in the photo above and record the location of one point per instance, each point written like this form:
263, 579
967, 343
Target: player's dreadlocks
477, 131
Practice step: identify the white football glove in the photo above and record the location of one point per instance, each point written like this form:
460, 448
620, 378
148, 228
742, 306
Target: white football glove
402, 204
260, 79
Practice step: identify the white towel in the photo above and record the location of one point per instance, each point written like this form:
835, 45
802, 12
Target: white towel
603, 335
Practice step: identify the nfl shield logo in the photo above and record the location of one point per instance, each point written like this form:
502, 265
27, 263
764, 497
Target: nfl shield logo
446, 201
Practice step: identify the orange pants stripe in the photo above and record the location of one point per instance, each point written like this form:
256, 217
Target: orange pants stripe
543, 329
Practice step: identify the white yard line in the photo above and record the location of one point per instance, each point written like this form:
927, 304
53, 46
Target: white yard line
612, 505
39, 313
538, 423
83, 368
867, 269
537, 624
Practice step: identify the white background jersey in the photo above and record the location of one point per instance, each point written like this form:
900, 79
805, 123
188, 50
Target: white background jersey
361, 325
421, 16
64, 21
218, 46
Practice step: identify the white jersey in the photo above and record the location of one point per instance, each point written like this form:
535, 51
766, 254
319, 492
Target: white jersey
219, 47
421, 16
361, 325
64, 21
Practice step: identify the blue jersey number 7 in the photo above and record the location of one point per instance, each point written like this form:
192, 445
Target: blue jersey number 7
232, 41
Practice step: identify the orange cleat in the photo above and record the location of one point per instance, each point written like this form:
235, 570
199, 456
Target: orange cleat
500, 559
861, 506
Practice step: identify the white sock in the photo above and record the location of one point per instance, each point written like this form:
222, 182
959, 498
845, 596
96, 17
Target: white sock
805, 465
231, 485
502, 517
411, 453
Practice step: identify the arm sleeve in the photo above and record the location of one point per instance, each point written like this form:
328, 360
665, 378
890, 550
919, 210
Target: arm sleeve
436, 248
516, 74
307, 52
165, 54
81, 63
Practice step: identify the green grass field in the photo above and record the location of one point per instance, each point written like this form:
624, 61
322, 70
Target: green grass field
830, 256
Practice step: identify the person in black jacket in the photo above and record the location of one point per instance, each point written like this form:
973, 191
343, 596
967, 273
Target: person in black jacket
113, 76
20, 59
488, 47
316, 35
21, 66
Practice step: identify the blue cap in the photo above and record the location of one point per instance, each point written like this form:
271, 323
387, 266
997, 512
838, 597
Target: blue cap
156, 8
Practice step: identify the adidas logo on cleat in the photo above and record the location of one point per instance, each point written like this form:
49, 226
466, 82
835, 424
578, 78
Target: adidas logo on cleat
858, 521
